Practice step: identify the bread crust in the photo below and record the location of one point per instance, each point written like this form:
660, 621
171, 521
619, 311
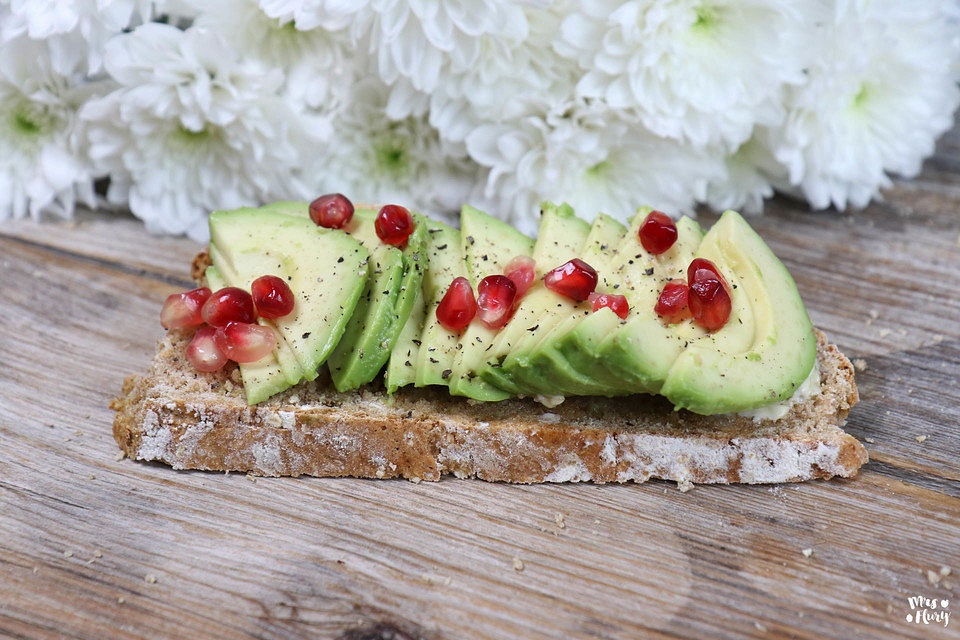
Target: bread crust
192, 420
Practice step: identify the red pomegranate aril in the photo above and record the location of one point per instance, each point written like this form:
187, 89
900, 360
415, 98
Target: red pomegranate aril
672, 303
458, 307
181, 310
230, 304
245, 342
272, 297
393, 224
333, 211
203, 352
709, 297
658, 232
575, 280
701, 268
522, 271
613, 301
495, 298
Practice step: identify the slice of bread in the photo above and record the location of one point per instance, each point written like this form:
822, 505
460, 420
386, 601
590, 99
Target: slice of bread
193, 420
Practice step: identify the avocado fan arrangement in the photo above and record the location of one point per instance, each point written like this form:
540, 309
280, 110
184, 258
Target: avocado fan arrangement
710, 320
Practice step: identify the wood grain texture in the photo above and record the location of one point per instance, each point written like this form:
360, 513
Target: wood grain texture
357, 559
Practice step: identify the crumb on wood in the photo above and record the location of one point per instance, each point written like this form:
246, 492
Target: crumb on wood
517, 563
684, 485
36, 570
251, 477
860, 364
415, 480
97, 553
884, 332
120, 600
68, 554
150, 578
870, 440
120, 455
595, 521
921, 439
435, 579
874, 314
558, 518
807, 552
759, 627
944, 571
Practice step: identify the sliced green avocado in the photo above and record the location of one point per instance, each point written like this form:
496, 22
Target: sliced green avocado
542, 365
324, 268
438, 346
401, 370
560, 238
488, 245
365, 345
766, 349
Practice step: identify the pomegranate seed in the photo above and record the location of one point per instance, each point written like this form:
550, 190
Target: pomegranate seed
333, 211
183, 309
575, 280
495, 297
458, 306
393, 224
672, 303
203, 352
709, 297
615, 302
230, 304
521, 271
272, 297
245, 342
658, 232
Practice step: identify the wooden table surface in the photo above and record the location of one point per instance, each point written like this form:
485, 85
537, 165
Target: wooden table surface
95, 547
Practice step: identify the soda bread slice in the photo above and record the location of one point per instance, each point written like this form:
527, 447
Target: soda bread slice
193, 420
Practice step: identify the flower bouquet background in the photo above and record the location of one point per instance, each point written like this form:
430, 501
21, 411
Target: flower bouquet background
179, 108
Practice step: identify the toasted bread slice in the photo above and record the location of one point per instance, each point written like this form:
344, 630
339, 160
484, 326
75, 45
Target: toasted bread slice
193, 420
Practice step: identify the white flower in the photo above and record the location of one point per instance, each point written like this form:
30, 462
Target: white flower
590, 159
880, 93
310, 14
746, 181
43, 167
319, 64
702, 71
74, 30
374, 159
192, 129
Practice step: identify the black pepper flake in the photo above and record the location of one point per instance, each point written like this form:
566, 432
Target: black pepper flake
533, 328
470, 240
648, 271
305, 335
434, 361
445, 373
441, 247
340, 259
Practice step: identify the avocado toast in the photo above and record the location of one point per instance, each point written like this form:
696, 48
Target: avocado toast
563, 358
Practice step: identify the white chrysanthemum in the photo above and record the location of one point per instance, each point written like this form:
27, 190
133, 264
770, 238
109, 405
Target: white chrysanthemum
43, 167
706, 72
421, 40
318, 64
880, 93
192, 129
374, 159
74, 30
591, 160
310, 14
747, 179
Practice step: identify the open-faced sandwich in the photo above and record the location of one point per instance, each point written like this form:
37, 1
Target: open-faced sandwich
376, 342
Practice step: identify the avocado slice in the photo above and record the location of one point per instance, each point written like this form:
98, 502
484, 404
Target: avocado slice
766, 349
488, 245
438, 346
560, 238
401, 370
324, 268
394, 278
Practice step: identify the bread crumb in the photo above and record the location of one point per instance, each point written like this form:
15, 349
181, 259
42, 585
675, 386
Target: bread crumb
36, 570
684, 485
68, 554
77, 432
152, 579
944, 571
884, 332
869, 440
97, 553
759, 627
294, 399
595, 521
119, 456
120, 600
517, 563
874, 314
921, 439
558, 518
93, 477
432, 579
251, 477
860, 364
933, 577
807, 552
415, 480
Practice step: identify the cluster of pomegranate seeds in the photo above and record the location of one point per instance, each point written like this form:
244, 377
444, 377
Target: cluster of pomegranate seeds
393, 224
709, 297
615, 302
495, 297
333, 211
244, 342
458, 307
705, 296
575, 280
672, 303
522, 271
657, 233
272, 297
182, 310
